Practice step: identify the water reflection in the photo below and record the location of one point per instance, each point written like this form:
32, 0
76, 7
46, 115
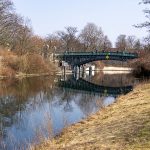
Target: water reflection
84, 85
26, 104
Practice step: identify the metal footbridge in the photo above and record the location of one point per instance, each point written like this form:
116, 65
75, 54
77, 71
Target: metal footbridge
80, 58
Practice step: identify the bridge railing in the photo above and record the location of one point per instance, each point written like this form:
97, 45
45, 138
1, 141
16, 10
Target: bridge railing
97, 53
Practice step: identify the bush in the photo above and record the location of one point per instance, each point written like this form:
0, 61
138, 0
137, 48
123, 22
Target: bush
33, 63
30, 63
7, 72
12, 61
142, 65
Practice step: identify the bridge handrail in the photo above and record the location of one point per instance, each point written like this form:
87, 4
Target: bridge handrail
98, 53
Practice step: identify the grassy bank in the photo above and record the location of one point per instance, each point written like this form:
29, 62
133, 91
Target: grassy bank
123, 125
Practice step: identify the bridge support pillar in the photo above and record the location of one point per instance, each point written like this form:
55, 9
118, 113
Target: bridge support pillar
64, 72
76, 72
82, 71
90, 71
79, 70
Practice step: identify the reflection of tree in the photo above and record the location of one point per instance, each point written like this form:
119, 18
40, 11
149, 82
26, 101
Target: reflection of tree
16, 95
68, 107
88, 103
64, 97
85, 101
22, 89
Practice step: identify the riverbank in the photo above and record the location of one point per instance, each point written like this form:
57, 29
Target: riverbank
123, 125
23, 75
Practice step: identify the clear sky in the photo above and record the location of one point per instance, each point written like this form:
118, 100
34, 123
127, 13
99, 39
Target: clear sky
115, 17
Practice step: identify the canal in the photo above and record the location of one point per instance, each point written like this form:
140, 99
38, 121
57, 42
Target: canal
38, 107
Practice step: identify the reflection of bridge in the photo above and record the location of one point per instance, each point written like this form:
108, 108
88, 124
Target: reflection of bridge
80, 58
84, 85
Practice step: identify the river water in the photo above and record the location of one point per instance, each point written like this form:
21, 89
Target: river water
39, 107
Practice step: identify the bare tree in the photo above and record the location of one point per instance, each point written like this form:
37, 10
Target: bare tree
106, 43
130, 42
7, 20
15, 32
5, 6
36, 43
146, 24
56, 43
91, 37
68, 38
121, 42
24, 37
138, 45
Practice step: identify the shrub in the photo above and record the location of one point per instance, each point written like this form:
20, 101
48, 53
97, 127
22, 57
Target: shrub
4, 51
29, 63
7, 72
33, 63
142, 65
12, 61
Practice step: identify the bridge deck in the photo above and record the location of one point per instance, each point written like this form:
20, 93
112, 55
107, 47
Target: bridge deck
97, 53
80, 58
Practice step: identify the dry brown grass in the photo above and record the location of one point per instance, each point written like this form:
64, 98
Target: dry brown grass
30, 63
5, 52
121, 126
7, 72
33, 63
11, 61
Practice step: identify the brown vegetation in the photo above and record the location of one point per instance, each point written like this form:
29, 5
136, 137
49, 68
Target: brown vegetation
142, 64
7, 72
27, 87
30, 63
123, 125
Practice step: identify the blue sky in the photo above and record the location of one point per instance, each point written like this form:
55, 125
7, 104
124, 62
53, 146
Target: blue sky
115, 17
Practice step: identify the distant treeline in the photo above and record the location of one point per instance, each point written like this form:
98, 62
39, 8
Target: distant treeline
17, 35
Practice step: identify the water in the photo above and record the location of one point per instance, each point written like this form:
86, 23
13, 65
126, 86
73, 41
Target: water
43, 106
